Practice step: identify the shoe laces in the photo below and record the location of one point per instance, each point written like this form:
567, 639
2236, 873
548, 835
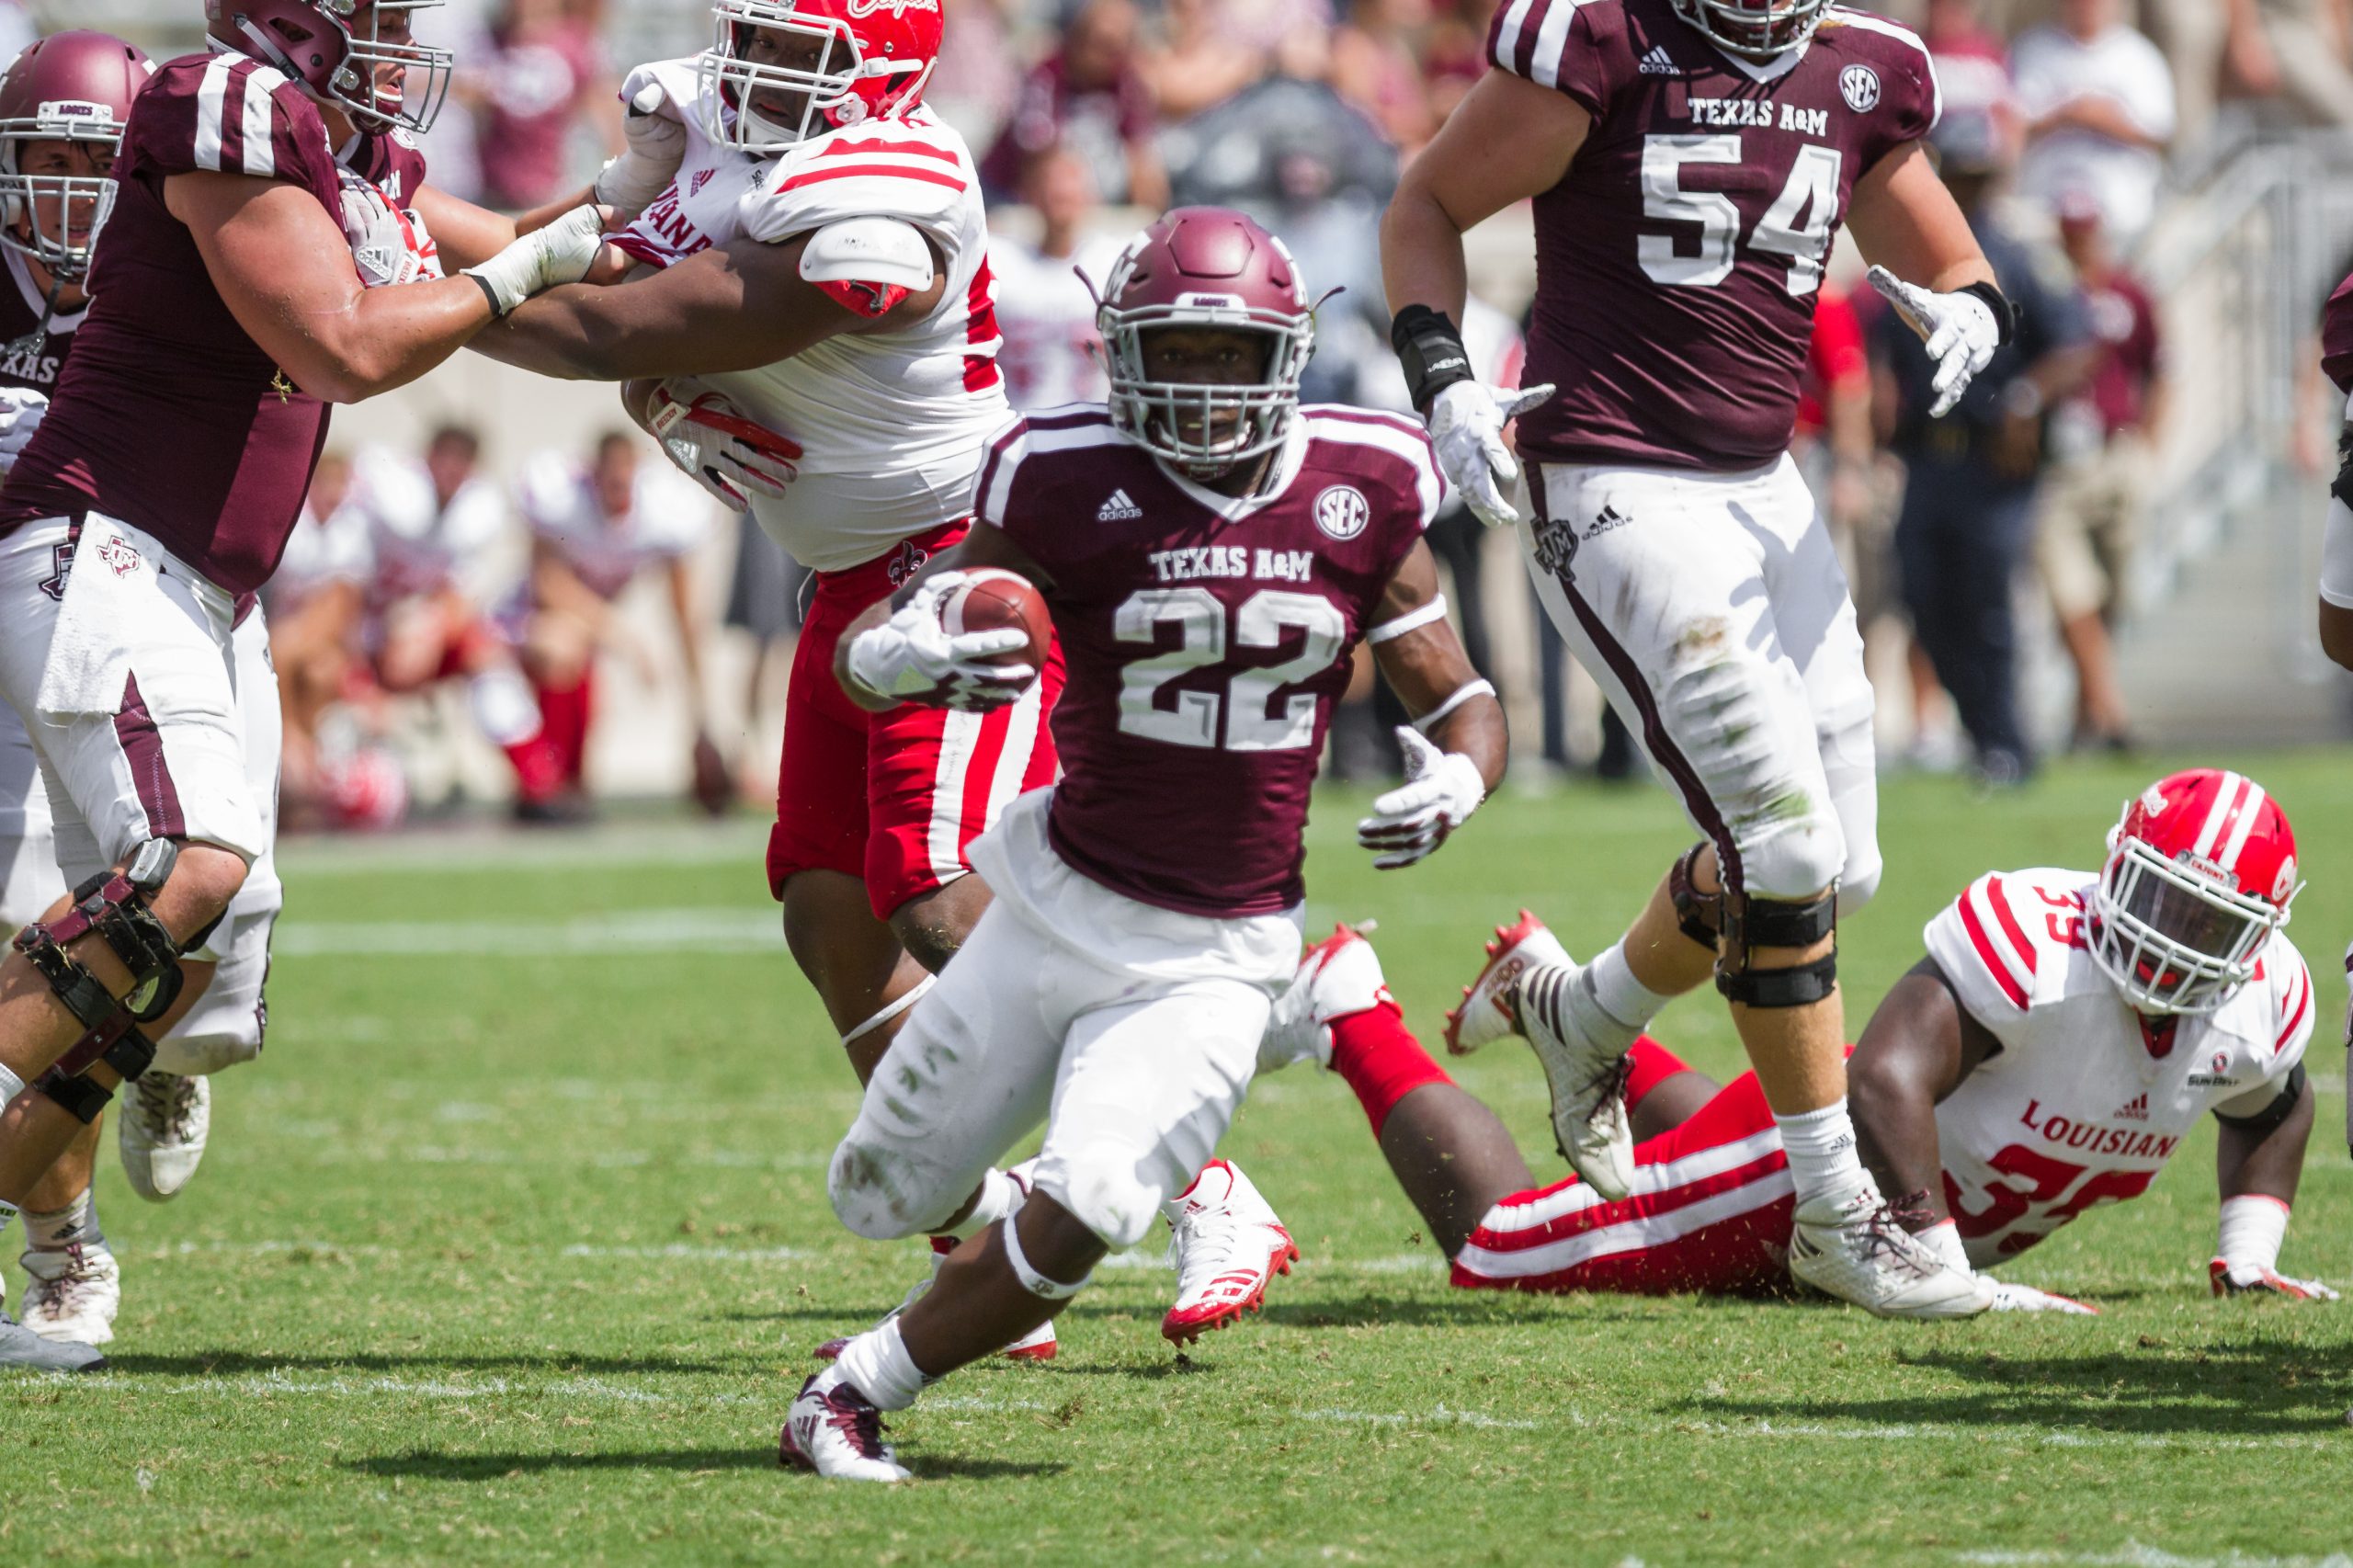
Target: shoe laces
1884, 1237
1608, 1086
168, 1107
68, 1292
859, 1423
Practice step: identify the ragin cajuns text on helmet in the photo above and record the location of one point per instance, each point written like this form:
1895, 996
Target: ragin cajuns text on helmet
73, 87
779, 72
2200, 873
1208, 267
357, 53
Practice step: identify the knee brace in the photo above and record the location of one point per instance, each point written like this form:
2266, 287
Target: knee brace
113, 905
1700, 915
1037, 1284
1752, 922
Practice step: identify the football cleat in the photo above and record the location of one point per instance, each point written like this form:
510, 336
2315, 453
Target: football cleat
836, 1431
1337, 976
23, 1350
1850, 1246
73, 1293
1489, 1011
161, 1131
1038, 1345
1227, 1245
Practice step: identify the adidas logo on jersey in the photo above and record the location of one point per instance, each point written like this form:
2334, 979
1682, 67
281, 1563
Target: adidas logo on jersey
2134, 1109
1658, 62
1118, 509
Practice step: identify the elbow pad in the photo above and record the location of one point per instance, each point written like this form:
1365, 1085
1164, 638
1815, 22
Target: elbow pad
868, 265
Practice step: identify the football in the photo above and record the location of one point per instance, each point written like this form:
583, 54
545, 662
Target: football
991, 597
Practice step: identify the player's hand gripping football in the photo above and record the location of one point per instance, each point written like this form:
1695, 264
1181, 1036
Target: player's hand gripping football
657, 145
2256, 1280
1467, 422
1959, 329
713, 444
913, 658
1441, 790
21, 412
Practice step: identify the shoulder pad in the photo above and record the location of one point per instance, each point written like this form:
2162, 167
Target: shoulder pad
869, 250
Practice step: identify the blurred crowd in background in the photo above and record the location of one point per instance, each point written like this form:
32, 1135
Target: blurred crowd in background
1971, 541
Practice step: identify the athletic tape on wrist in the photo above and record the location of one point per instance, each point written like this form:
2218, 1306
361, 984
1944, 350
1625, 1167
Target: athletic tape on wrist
1461, 694
1031, 1281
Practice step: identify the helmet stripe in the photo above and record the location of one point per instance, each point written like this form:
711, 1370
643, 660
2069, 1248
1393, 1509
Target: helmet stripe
2210, 834
2248, 813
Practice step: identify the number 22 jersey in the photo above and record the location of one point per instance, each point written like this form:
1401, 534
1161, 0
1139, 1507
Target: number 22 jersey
2084, 1104
1679, 260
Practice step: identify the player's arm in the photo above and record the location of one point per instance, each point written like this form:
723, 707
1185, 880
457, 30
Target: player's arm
468, 235
1920, 1045
1927, 264
2258, 1159
897, 650
738, 306
1509, 140
283, 267
1456, 746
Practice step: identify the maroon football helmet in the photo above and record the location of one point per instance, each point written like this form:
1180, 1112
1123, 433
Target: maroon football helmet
75, 88
1206, 267
356, 53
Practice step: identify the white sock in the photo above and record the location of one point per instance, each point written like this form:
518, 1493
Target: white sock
1554, 999
76, 1224
1617, 993
1821, 1146
1000, 1196
876, 1364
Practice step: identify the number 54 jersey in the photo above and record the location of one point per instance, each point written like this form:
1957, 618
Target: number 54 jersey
1680, 258
2085, 1101
1204, 639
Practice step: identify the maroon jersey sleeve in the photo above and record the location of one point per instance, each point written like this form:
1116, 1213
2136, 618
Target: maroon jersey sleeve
2337, 337
1901, 87
1577, 46
224, 114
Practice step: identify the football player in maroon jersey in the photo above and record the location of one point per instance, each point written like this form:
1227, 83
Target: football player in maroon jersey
1690, 163
231, 305
1211, 552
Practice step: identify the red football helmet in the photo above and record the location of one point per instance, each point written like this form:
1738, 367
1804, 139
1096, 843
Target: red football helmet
1754, 29
779, 72
357, 53
70, 87
1206, 267
2199, 874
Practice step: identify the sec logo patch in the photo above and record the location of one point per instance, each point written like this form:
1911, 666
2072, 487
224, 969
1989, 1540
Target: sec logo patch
1859, 86
1342, 511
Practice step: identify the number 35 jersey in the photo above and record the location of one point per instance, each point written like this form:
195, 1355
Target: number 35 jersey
1204, 639
2084, 1104
1680, 258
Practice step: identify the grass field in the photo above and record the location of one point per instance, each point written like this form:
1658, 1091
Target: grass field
514, 1245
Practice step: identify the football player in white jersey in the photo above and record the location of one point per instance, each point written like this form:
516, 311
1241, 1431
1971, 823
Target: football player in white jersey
812, 334
2063, 1035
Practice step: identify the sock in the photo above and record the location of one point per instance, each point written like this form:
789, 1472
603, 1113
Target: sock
564, 720
1377, 1056
1821, 1146
1556, 999
876, 1364
1000, 1196
76, 1224
1653, 1064
1617, 993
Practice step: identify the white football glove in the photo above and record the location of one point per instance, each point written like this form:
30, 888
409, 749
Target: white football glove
2010, 1298
1467, 422
21, 412
2258, 1279
561, 253
657, 145
911, 658
716, 446
389, 245
1959, 329
1441, 790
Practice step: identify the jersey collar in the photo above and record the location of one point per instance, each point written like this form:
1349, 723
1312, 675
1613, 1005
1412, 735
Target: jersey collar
1235, 508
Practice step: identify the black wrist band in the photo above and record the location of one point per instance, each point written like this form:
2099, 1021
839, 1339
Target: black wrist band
488, 293
2006, 314
1431, 350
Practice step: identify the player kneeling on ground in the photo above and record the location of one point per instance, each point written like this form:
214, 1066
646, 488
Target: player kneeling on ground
1211, 553
2064, 1034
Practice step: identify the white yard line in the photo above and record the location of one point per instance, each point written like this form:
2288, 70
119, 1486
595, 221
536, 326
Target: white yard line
2132, 1554
712, 929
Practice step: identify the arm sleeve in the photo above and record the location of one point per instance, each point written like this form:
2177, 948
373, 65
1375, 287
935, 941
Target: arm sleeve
1002, 495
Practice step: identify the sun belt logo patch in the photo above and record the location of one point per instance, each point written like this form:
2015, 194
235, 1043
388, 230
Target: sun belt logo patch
1342, 511
1858, 84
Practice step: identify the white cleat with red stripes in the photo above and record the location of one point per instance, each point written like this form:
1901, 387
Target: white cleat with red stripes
1228, 1244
